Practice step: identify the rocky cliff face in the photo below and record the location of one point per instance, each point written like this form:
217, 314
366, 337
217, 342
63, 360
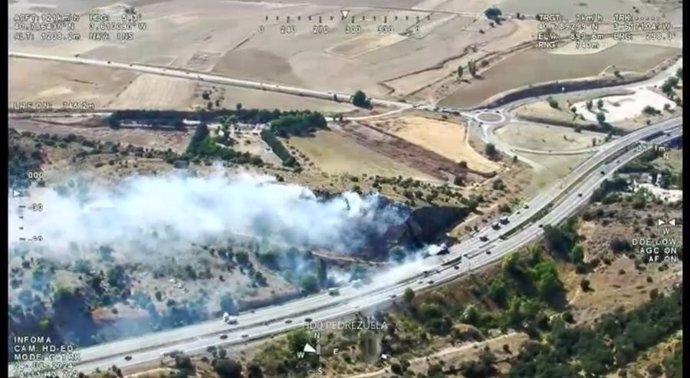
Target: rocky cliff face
424, 225
399, 225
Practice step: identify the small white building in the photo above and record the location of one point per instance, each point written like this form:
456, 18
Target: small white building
666, 195
191, 122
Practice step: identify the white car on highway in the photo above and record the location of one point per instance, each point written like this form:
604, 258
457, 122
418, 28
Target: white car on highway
227, 318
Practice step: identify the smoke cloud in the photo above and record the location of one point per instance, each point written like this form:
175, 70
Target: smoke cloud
159, 215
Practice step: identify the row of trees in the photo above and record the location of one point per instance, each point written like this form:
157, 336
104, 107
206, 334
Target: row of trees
279, 149
288, 124
471, 68
175, 118
163, 118
302, 124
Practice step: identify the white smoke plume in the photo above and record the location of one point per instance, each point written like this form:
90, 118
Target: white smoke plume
159, 215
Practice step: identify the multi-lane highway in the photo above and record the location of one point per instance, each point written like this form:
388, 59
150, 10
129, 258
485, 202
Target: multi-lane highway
564, 197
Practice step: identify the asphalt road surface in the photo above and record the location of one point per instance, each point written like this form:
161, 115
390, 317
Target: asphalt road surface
565, 197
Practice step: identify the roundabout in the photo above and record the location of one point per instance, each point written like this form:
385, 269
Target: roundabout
490, 118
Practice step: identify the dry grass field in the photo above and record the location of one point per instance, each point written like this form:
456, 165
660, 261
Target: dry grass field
536, 66
544, 138
445, 138
222, 36
56, 82
554, 168
334, 153
150, 91
439, 81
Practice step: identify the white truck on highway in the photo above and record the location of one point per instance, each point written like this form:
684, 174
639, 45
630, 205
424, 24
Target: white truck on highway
229, 319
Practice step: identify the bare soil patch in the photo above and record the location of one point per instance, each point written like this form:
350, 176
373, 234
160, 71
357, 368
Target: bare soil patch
445, 138
410, 154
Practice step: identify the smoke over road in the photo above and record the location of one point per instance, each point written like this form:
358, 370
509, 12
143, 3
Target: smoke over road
156, 215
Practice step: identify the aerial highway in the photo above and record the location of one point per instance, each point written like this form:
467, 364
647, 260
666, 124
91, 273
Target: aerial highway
564, 198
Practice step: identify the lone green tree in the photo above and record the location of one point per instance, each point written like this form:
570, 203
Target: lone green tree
460, 72
226, 368
493, 14
297, 339
490, 150
408, 295
601, 118
310, 284
589, 105
600, 103
360, 99
552, 102
472, 68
